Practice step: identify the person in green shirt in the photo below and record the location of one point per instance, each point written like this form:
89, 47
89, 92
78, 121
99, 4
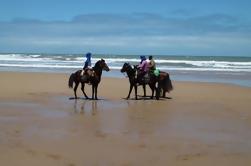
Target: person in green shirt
152, 64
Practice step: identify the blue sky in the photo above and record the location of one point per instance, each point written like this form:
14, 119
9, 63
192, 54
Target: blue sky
181, 27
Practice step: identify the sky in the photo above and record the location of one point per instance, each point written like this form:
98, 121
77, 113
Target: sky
158, 27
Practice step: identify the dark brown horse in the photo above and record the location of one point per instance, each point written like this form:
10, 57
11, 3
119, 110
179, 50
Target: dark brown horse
134, 81
94, 79
163, 81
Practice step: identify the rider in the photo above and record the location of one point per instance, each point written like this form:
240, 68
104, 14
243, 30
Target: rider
88, 63
143, 67
152, 66
86, 69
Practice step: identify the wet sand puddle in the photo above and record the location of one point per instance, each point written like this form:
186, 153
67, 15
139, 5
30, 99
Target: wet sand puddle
126, 117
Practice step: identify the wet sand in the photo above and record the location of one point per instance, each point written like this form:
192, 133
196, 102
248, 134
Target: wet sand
201, 124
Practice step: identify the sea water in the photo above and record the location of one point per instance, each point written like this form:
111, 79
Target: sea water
223, 69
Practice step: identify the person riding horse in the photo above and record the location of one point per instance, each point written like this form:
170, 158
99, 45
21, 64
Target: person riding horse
87, 70
94, 79
143, 70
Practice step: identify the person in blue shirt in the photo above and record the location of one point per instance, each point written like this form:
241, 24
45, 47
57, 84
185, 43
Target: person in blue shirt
88, 63
87, 72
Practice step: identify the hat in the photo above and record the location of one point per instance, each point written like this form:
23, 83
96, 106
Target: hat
88, 55
142, 57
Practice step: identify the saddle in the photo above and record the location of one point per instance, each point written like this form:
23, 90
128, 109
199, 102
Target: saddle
143, 77
86, 74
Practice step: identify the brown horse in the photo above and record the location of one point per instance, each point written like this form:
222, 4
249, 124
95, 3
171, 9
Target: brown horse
94, 79
163, 81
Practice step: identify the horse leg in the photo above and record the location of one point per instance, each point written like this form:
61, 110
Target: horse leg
144, 89
158, 91
130, 90
96, 91
83, 90
164, 94
136, 95
152, 88
93, 92
75, 89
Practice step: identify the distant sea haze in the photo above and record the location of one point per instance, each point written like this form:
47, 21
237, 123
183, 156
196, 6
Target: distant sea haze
194, 68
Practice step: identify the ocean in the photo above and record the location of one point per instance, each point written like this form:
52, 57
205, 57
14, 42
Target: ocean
221, 69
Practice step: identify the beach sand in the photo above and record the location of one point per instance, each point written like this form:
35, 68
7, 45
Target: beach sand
200, 124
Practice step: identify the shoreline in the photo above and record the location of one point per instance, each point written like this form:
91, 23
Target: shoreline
177, 76
199, 124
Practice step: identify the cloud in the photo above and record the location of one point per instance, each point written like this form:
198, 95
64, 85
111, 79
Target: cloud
128, 32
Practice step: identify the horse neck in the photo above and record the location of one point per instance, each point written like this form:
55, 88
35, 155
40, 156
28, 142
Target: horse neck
131, 73
97, 70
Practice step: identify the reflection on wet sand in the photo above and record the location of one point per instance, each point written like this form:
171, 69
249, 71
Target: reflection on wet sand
85, 106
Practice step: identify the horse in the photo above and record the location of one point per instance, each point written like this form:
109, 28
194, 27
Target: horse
163, 81
134, 81
94, 79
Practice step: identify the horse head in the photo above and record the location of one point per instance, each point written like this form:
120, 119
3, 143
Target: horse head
103, 65
125, 68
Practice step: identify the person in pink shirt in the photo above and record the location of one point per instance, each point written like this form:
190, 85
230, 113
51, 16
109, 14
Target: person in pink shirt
143, 67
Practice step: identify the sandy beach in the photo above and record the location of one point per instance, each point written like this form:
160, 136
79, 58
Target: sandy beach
199, 124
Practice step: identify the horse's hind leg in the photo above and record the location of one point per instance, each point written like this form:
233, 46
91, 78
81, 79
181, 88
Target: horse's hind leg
83, 90
75, 89
152, 88
158, 89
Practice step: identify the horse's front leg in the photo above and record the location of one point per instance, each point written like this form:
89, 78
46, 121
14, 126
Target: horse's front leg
130, 90
96, 92
83, 90
93, 87
144, 89
136, 93
75, 89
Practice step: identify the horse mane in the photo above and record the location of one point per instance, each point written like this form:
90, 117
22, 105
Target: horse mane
96, 66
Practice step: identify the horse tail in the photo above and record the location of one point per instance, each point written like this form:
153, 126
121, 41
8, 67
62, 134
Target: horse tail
71, 80
167, 84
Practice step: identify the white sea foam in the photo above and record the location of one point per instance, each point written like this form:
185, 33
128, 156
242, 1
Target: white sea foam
77, 61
